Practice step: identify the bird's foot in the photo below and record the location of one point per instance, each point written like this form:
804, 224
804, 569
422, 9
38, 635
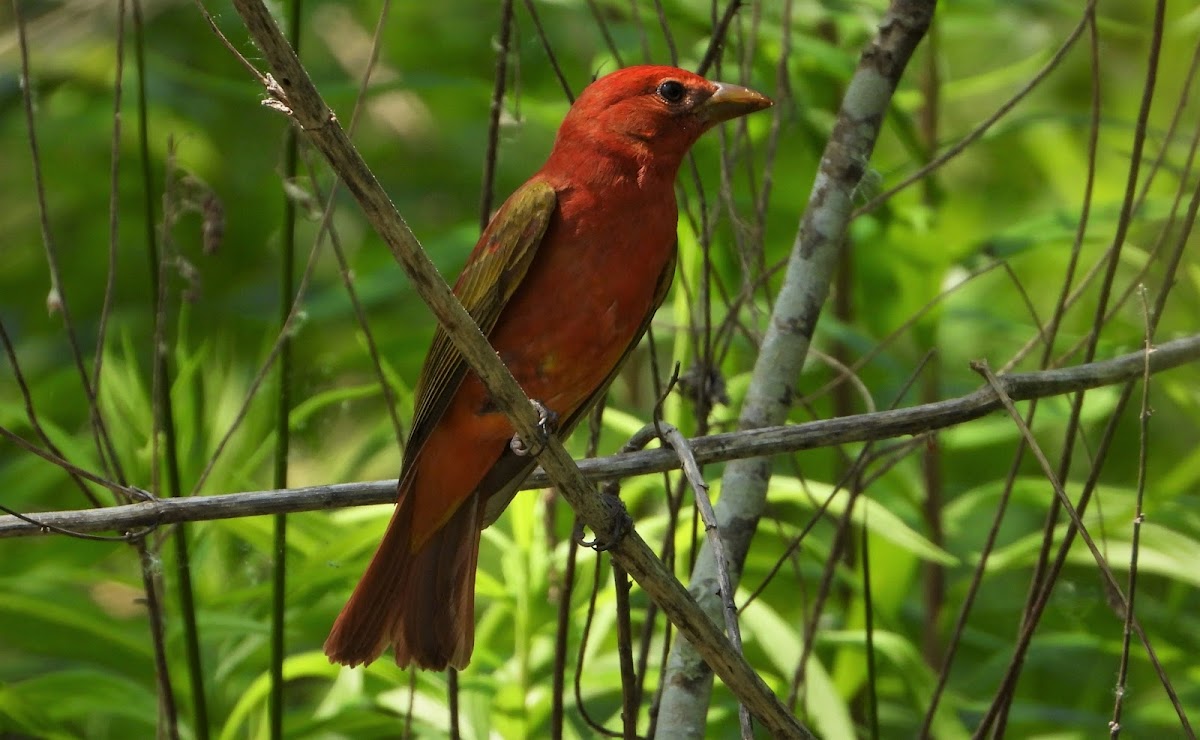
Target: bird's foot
547, 425
623, 525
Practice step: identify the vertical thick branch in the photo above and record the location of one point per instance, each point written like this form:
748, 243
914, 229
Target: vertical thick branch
785, 345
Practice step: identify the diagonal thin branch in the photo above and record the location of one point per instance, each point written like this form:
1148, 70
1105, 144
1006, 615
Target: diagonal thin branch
977, 133
56, 299
671, 436
1122, 603
503, 51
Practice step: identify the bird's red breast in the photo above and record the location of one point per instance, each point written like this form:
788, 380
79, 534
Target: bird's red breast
564, 282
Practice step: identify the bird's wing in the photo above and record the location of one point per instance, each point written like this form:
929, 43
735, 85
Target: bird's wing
495, 268
510, 471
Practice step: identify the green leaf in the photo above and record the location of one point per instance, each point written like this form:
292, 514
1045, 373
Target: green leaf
877, 519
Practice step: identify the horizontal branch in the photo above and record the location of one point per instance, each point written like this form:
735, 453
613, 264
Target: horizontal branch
711, 449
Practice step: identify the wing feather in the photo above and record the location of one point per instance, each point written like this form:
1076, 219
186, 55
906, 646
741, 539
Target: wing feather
493, 271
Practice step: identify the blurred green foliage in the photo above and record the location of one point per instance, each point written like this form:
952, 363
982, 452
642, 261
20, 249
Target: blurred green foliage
75, 652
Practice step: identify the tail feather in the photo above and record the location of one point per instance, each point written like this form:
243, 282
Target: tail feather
422, 603
434, 623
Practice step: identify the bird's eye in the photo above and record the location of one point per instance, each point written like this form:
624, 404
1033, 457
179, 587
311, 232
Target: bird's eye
671, 91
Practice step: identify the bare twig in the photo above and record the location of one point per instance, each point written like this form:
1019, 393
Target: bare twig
56, 299
1042, 598
580, 704
1169, 135
114, 200
541, 32
121, 491
494, 111
283, 406
31, 414
326, 227
1114, 726
1038, 581
1110, 580
566, 588
164, 442
718, 37
869, 623
853, 482
629, 705
246, 63
712, 449
976, 133
453, 695
1165, 233
602, 24
672, 52
671, 435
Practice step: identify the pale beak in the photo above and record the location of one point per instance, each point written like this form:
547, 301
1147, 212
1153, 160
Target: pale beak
731, 101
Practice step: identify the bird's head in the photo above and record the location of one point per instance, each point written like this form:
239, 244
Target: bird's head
652, 111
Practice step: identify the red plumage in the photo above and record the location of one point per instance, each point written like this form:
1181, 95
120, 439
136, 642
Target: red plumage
564, 282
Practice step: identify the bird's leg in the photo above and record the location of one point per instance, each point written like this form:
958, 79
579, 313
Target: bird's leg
547, 425
617, 513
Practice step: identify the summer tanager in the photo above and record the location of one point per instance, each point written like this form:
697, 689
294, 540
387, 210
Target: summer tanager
564, 282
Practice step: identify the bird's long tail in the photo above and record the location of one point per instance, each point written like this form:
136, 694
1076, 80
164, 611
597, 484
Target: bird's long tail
422, 603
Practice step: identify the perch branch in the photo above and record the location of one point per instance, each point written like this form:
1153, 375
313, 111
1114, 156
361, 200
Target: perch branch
712, 449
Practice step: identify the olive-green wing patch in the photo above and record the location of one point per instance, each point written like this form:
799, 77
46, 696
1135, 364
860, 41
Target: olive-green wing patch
495, 268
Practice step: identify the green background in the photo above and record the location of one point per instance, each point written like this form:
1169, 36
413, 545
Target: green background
75, 652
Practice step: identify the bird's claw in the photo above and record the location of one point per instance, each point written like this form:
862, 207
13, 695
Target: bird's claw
623, 526
547, 425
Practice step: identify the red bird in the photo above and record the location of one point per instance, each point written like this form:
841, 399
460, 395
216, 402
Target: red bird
564, 282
